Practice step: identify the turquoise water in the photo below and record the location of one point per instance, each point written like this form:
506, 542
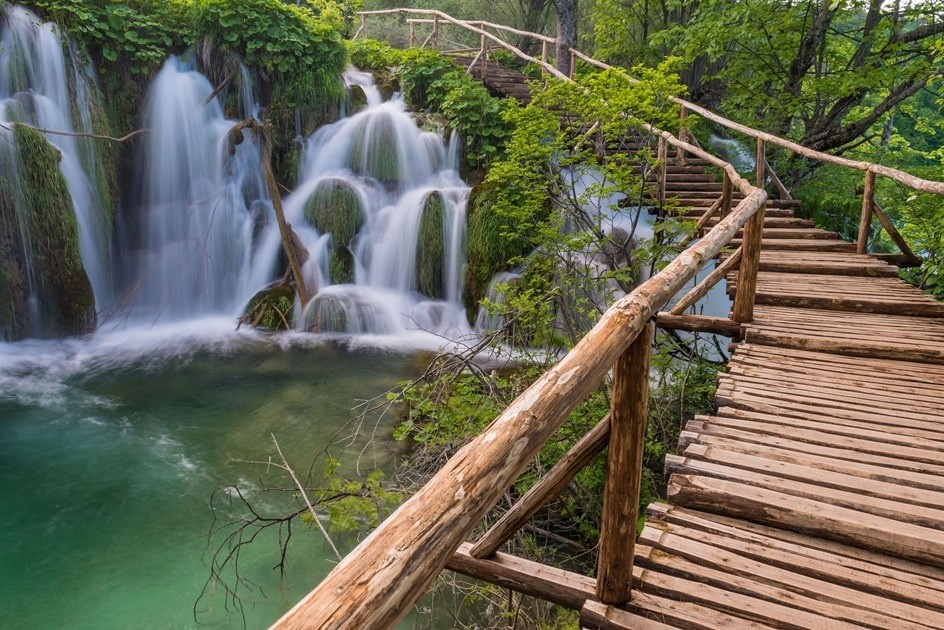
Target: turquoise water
111, 447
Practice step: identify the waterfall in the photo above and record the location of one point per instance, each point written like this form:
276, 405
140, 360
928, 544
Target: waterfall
381, 209
202, 205
40, 84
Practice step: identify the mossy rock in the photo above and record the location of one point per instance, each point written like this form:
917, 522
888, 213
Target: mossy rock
374, 150
356, 99
272, 308
335, 208
431, 247
341, 265
66, 303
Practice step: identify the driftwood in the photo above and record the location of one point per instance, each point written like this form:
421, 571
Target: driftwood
78, 134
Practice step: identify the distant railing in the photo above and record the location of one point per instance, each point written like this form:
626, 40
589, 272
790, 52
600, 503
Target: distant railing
384, 576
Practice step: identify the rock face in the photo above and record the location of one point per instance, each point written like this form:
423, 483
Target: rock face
44, 290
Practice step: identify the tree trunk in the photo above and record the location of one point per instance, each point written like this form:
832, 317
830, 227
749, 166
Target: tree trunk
566, 11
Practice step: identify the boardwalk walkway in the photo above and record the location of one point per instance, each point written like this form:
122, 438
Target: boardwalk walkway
814, 496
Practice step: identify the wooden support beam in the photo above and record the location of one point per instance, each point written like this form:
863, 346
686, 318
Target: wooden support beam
628, 415
524, 576
703, 287
784, 193
576, 459
900, 260
892, 231
743, 311
727, 194
598, 616
683, 112
760, 165
699, 323
868, 200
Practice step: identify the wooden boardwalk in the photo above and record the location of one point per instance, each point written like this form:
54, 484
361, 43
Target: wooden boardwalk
814, 496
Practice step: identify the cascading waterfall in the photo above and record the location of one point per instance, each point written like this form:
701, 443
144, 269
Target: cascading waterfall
40, 84
381, 209
203, 205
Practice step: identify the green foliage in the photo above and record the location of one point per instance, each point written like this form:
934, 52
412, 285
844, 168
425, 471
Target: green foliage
354, 504
298, 47
136, 32
921, 219
431, 247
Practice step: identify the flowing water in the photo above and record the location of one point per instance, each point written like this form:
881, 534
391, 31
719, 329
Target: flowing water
40, 84
111, 446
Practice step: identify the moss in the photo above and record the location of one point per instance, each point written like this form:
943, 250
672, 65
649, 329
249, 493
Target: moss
430, 247
335, 208
13, 292
341, 265
374, 150
272, 308
66, 302
490, 248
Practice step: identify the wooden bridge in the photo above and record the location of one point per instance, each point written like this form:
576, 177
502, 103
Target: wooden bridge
812, 498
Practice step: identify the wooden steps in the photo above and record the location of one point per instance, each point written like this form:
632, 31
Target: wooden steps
500, 80
880, 295
753, 576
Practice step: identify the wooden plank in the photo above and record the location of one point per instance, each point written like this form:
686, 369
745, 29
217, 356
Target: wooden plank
817, 573
733, 602
599, 616
833, 461
821, 490
701, 561
827, 434
839, 446
808, 516
852, 558
788, 467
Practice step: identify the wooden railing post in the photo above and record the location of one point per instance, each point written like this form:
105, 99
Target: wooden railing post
363, 26
435, 31
543, 57
760, 168
743, 311
573, 64
683, 112
727, 195
868, 199
628, 415
661, 156
412, 34
483, 52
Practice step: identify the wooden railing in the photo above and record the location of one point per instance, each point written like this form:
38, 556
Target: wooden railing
383, 577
